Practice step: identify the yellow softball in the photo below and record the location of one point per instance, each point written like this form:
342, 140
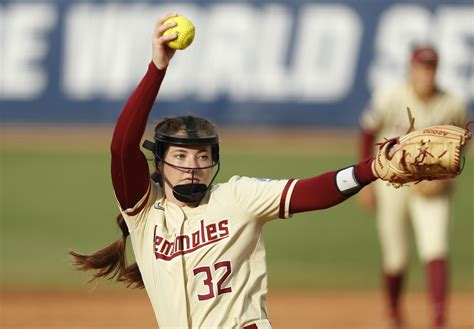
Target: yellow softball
185, 31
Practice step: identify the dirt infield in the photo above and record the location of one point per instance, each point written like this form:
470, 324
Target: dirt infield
358, 310
97, 138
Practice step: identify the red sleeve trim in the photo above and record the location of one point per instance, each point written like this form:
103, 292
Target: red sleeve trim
281, 213
321, 192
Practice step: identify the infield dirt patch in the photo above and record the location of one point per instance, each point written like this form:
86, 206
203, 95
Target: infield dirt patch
97, 138
131, 310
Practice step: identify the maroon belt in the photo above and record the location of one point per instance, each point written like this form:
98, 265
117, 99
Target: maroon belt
251, 326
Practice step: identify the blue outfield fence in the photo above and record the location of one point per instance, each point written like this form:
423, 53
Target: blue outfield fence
252, 62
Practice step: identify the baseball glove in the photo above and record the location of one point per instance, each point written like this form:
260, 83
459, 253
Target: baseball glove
428, 154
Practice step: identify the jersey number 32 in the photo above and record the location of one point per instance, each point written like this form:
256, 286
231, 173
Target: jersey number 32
222, 270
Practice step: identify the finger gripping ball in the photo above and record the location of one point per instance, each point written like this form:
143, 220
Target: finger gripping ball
184, 30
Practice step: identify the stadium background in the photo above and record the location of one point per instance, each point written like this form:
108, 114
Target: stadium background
285, 80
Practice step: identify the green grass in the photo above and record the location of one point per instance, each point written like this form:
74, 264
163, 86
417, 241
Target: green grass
53, 201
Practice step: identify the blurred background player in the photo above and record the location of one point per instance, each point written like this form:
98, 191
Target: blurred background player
427, 205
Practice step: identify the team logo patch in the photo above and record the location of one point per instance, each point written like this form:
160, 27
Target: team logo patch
158, 206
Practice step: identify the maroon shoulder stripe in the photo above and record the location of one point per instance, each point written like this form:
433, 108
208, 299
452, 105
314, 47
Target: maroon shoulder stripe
283, 199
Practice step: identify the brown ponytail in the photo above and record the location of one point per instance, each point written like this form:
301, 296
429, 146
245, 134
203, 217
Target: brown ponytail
111, 261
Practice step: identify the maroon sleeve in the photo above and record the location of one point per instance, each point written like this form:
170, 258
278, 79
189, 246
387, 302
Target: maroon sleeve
321, 192
129, 167
367, 141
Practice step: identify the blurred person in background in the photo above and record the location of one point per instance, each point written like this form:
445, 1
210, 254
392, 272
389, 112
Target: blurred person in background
427, 205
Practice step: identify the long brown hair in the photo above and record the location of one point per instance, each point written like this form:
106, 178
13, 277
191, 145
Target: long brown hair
111, 261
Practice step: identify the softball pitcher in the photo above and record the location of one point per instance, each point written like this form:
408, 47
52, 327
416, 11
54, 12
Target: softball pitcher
427, 205
198, 246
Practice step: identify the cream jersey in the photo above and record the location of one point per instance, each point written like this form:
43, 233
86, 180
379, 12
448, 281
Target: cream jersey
386, 114
204, 267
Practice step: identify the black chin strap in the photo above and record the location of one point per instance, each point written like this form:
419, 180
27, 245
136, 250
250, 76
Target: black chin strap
191, 193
